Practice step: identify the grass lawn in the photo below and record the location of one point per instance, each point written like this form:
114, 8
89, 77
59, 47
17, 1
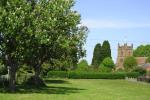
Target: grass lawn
84, 89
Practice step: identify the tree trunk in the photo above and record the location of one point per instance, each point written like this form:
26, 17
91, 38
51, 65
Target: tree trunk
37, 74
12, 78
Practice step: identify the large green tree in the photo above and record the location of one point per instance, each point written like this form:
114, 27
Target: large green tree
35, 32
105, 50
142, 51
97, 58
56, 35
13, 35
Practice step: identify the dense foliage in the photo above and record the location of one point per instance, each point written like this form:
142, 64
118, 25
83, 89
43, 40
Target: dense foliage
106, 50
91, 75
97, 59
130, 63
33, 32
142, 51
83, 65
100, 53
108, 62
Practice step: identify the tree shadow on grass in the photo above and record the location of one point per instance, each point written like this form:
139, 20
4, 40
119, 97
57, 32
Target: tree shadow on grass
49, 90
56, 82
21, 89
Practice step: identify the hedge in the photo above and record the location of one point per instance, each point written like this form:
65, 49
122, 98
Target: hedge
58, 74
91, 75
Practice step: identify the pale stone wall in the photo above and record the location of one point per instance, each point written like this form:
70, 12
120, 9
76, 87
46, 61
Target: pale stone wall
123, 52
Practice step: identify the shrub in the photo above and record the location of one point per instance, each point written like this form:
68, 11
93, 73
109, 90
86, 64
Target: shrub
107, 65
24, 73
140, 70
82, 66
57, 74
91, 75
130, 63
104, 69
132, 74
108, 62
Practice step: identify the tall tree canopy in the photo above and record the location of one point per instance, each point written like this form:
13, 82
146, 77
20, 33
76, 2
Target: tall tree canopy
142, 51
13, 35
97, 56
34, 32
105, 50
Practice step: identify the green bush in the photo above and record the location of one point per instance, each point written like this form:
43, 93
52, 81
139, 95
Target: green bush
82, 65
140, 70
105, 69
130, 63
132, 74
57, 74
108, 62
91, 75
23, 74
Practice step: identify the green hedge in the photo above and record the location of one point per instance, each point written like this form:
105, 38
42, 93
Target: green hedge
57, 74
91, 75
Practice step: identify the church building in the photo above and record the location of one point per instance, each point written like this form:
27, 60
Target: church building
127, 51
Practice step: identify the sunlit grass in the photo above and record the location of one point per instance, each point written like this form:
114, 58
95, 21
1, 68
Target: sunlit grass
84, 89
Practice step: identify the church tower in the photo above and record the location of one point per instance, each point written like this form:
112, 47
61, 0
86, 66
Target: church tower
123, 52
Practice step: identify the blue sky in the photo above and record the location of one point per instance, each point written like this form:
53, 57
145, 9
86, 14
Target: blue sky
118, 21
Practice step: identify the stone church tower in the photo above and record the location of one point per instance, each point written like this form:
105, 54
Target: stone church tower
123, 52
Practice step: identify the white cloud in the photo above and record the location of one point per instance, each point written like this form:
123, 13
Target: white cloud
114, 24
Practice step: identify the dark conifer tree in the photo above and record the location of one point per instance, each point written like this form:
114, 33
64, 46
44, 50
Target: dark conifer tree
97, 59
105, 50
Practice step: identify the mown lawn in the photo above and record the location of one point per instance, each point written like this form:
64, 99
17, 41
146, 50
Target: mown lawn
84, 89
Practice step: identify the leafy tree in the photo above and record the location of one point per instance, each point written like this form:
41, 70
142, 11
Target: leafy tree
82, 65
35, 32
107, 65
105, 50
56, 36
142, 51
13, 35
130, 63
108, 62
97, 59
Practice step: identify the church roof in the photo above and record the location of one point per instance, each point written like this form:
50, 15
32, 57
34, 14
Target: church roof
146, 65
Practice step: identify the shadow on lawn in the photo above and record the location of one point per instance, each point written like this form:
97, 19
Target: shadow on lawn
56, 82
49, 90
46, 89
